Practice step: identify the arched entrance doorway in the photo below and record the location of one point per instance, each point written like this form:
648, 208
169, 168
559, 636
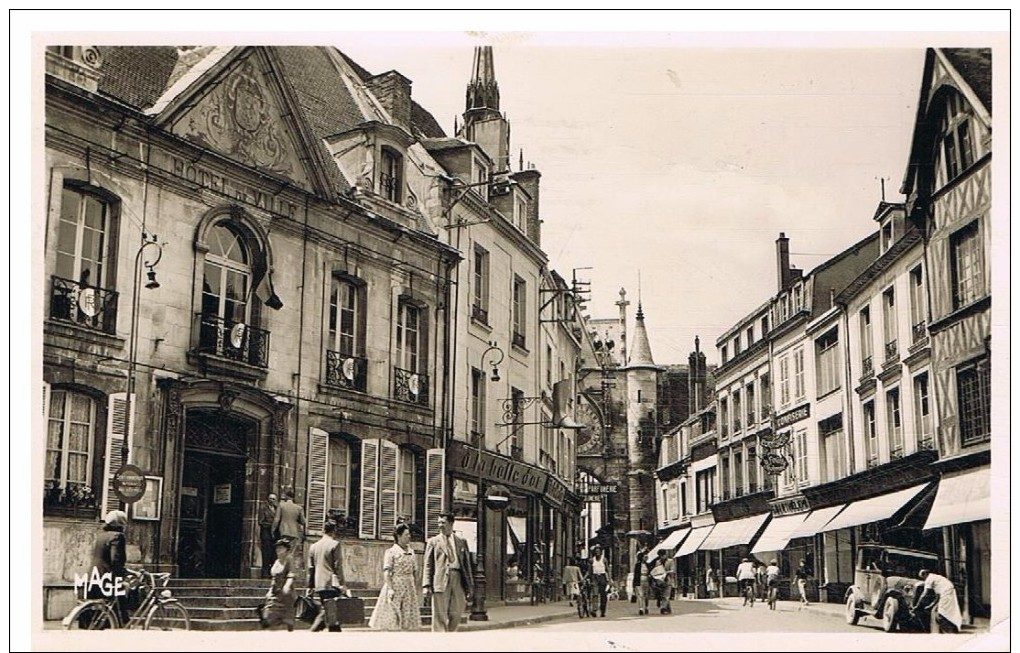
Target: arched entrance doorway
212, 493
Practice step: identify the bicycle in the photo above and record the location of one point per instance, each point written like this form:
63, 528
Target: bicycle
748, 591
773, 593
584, 599
158, 610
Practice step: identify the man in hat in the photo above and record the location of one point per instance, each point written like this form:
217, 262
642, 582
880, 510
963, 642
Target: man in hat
289, 522
745, 579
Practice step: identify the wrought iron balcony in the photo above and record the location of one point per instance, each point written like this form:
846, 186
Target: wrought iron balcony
891, 350
920, 332
236, 341
896, 453
479, 314
93, 308
346, 371
872, 462
867, 369
518, 340
412, 387
739, 492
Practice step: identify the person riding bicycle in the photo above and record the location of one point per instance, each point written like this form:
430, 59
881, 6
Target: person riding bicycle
772, 582
745, 578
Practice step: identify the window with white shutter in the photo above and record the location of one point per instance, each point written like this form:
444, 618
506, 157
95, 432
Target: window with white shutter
119, 429
388, 454
318, 466
368, 527
435, 479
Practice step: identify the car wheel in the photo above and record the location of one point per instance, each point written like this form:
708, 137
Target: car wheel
852, 614
889, 613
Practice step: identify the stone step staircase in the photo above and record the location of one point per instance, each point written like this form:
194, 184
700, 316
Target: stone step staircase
228, 604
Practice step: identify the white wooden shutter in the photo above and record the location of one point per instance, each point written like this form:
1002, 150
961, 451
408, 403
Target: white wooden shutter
318, 468
119, 429
388, 457
368, 524
435, 482
46, 406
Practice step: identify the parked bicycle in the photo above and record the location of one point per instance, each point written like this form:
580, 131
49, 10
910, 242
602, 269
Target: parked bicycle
158, 610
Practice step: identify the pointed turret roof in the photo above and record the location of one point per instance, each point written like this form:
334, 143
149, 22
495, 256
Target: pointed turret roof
640, 351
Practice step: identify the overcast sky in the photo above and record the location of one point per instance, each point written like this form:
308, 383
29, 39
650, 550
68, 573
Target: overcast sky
680, 159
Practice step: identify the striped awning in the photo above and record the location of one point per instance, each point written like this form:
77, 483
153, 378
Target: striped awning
874, 509
693, 541
962, 497
733, 533
670, 542
778, 533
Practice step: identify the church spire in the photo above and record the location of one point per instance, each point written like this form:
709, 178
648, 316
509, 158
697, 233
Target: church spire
482, 90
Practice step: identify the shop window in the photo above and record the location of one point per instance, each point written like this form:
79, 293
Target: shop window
973, 387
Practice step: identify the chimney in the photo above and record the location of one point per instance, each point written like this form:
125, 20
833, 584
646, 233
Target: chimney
696, 378
529, 181
393, 91
783, 261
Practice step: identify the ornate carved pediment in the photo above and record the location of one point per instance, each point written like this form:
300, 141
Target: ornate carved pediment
241, 117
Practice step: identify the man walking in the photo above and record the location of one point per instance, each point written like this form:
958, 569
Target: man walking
267, 538
600, 575
802, 574
326, 577
289, 522
447, 576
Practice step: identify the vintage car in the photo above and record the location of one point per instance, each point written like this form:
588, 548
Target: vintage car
886, 585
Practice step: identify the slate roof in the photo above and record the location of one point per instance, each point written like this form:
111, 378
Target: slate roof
975, 65
136, 75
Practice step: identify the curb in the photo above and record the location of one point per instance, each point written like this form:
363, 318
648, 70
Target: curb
514, 623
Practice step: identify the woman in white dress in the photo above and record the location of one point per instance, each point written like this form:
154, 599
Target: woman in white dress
398, 607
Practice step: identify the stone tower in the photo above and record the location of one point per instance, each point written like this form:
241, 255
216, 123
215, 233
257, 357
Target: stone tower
642, 401
483, 122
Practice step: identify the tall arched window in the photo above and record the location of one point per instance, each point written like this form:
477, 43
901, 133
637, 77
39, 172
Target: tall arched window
226, 294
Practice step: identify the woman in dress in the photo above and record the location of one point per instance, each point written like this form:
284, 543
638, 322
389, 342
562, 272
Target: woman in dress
710, 583
279, 606
398, 607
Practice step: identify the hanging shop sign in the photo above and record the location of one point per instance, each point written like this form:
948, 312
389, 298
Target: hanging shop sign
555, 490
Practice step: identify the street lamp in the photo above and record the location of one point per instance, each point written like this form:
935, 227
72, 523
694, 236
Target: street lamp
496, 498
148, 240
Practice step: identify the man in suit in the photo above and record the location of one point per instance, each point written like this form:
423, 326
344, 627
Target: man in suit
267, 538
326, 577
448, 576
289, 522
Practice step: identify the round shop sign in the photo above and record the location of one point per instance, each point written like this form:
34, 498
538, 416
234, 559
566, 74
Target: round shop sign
129, 483
774, 464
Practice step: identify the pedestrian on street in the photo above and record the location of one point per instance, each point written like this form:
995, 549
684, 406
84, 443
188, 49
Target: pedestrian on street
662, 578
939, 598
289, 522
600, 573
711, 585
326, 578
640, 580
448, 577
802, 574
398, 607
267, 538
279, 601
109, 556
571, 580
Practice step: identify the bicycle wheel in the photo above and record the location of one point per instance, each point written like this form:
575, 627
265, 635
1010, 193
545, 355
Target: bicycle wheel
169, 615
94, 615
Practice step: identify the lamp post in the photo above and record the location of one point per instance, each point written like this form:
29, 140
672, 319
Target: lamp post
148, 240
494, 356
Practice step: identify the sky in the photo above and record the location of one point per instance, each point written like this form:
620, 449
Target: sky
675, 162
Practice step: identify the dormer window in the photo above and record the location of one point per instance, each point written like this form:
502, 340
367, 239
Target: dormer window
887, 235
481, 181
391, 166
957, 148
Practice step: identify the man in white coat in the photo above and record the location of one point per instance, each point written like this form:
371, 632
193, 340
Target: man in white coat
447, 576
940, 597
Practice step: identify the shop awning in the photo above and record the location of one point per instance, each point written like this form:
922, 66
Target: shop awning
670, 542
778, 533
874, 509
469, 531
816, 521
962, 497
732, 533
694, 540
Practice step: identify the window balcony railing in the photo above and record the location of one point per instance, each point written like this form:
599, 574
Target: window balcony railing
739, 492
412, 387
867, 369
726, 495
72, 500
872, 462
346, 371
920, 332
518, 340
93, 308
479, 314
895, 453
891, 350
236, 341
